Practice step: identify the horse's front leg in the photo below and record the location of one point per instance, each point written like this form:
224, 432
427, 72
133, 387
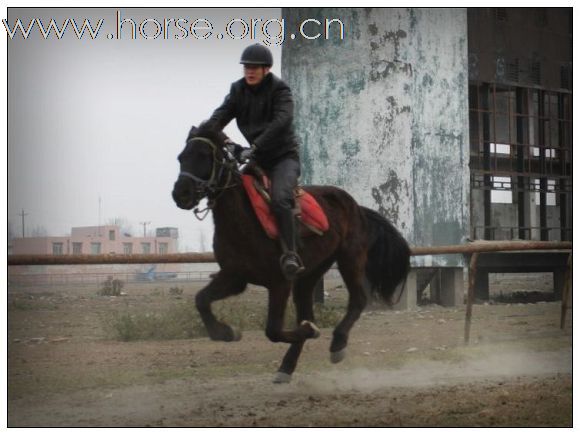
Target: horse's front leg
277, 301
222, 286
303, 300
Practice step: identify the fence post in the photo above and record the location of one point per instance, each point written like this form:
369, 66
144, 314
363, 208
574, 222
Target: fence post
470, 295
566, 292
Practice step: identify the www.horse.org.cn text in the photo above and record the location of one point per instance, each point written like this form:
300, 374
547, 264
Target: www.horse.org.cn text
270, 31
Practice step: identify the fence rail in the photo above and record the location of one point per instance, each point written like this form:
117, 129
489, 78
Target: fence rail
48, 260
208, 257
97, 278
474, 249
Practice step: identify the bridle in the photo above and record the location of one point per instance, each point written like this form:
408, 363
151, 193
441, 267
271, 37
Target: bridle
211, 187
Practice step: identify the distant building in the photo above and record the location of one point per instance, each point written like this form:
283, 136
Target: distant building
104, 239
167, 232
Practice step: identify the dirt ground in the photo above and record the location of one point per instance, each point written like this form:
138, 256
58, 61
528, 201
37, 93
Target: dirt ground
408, 369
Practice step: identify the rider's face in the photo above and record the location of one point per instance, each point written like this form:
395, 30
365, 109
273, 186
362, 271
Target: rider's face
254, 74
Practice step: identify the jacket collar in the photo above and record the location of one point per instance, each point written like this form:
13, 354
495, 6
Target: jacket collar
264, 83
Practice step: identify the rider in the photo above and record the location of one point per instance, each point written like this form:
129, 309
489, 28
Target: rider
263, 107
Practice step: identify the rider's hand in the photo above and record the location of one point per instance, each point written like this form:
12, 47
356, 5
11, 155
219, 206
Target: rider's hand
246, 154
232, 148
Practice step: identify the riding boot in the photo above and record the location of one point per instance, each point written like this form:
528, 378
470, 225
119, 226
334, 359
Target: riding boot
290, 261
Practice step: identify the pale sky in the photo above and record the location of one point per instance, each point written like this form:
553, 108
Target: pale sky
107, 117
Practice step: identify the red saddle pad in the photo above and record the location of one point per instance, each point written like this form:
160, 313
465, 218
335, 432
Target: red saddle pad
311, 213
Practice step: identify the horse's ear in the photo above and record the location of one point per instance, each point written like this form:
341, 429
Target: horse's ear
209, 130
207, 127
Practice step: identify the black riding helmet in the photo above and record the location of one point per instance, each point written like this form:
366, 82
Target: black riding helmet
257, 54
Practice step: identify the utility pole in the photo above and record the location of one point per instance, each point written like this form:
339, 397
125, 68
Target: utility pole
144, 228
99, 225
22, 214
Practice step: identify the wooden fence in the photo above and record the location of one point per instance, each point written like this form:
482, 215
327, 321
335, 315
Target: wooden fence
472, 249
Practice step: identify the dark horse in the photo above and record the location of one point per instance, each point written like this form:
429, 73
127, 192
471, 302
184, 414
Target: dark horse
368, 250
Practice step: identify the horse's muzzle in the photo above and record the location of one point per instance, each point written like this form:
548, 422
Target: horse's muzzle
183, 196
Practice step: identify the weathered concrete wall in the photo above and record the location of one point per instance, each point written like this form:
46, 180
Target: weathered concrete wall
383, 114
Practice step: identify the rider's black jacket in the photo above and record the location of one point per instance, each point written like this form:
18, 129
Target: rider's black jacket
264, 115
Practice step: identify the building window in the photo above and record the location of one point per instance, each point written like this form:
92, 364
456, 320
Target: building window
499, 148
163, 248
77, 248
111, 234
146, 248
127, 248
501, 192
57, 249
550, 192
95, 248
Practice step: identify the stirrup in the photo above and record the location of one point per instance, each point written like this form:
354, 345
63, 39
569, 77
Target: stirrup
291, 265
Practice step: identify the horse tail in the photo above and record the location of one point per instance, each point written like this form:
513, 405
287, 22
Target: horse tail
388, 256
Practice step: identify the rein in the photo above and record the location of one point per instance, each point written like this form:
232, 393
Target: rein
211, 187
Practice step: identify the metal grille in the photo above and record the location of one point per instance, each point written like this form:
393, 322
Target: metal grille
535, 73
522, 135
566, 77
524, 46
513, 70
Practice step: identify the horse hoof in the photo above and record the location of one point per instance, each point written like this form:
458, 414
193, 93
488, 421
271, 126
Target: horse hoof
282, 378
315, 330
336, 357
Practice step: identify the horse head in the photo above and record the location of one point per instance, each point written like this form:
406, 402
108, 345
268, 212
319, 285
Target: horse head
202, 164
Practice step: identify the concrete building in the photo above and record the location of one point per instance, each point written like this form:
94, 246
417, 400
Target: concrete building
105, 239
429, 116
520, 108
383, 113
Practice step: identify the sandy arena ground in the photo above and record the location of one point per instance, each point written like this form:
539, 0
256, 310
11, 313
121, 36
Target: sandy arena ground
402, 368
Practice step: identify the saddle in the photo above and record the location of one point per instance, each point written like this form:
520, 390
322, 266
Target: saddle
308, 212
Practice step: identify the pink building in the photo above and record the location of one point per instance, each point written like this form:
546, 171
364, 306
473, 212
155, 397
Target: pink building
105, 239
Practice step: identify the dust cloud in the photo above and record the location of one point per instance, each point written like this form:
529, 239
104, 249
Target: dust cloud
490, 366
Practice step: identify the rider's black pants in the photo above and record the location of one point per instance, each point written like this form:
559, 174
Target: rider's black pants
284, 178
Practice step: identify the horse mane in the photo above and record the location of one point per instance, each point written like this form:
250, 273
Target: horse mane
207, 131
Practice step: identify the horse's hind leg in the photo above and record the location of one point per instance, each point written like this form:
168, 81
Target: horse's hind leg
303, 300
220, 287
352, 269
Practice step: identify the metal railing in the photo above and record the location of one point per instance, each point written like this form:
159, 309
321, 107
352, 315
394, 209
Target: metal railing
473, 249
513, 232
97, 278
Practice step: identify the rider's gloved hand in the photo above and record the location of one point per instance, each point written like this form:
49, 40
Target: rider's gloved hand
233, 148
246, 154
